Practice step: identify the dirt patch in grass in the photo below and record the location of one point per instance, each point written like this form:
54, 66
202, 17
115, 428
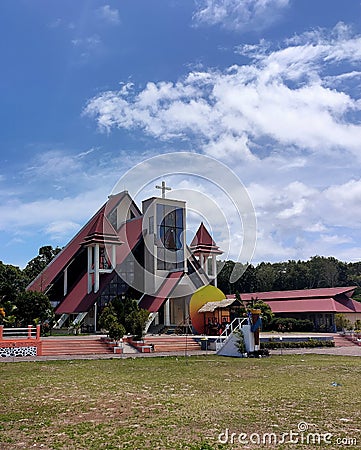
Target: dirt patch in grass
176, 403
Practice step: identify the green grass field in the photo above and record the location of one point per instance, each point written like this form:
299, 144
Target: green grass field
178, 403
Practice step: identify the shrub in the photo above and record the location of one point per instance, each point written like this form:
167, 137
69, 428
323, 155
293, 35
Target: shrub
129, 315
342, 323
240, 344
310, 343
108, 317
135, 322
259, 353
33, 307
266, 312
291, 324
116, 331
357, 325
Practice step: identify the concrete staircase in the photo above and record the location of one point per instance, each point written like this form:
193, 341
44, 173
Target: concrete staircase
341, 341
172, 343
74, 346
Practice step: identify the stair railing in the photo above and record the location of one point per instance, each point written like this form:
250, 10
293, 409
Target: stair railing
149, 322
235, 325
61, 321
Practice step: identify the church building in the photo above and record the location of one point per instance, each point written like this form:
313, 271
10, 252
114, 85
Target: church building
124, 251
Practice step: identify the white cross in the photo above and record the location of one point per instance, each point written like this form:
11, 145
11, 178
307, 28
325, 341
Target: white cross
163, 188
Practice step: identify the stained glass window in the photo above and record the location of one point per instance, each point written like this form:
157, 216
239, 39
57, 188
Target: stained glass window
170, 228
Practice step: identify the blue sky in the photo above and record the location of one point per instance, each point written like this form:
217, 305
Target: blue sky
270, 88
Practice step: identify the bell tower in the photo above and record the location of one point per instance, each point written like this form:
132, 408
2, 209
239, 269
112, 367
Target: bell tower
101, 243
204, 247
164, 222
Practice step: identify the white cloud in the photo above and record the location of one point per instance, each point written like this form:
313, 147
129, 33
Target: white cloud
231, 147
247, 103
61, 229
341, 204
59, 170
54, 163
57, 193
287, 128
239, 15
108, 14
88, 43
58, 214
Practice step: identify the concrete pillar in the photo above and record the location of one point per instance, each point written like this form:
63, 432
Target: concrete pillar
201, 260
90, 263
206, 264
96, 268
167, 312
114, 257
65, 281
95, 316
214, 269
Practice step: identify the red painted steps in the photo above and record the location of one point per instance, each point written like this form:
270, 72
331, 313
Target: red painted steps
341, 341
74, 346
171, 343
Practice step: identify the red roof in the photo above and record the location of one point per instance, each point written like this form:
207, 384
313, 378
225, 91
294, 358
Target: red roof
203, 242
78, 299
51, 271
129, 234
300, 293
153, 303
102, 232
325, 305
326, 300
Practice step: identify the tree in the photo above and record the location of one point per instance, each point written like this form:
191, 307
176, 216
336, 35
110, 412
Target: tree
2, 315
266, 276
342, 323
241, 310
247, 282
224, 276
12, 282
7, 316
125, 312
116, 331
135, 322
38, 264
33, 307
108, 317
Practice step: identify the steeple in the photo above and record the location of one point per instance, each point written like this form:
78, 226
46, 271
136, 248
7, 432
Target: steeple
101, 240
102, 232
204, 247
203, 242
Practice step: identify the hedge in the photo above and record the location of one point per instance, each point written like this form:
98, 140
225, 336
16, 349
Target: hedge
311, 343
291, 324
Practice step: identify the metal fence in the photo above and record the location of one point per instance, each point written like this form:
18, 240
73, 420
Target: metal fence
29, 332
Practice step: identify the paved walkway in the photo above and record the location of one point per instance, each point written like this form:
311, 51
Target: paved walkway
340, 351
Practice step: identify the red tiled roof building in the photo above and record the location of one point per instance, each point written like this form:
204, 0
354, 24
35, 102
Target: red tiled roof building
318, 305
